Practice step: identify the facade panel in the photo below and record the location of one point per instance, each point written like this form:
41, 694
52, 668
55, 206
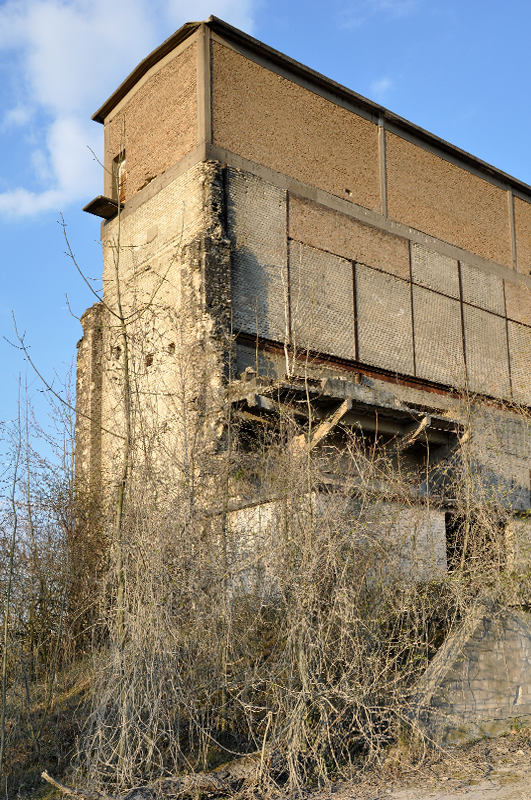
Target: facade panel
168, 97
438, 338
330, 230
446, 201
271, 120
482, 290
321, 301
434, 271
522, 224
385, 334
486, 353
520, 353
257, 228
518, 302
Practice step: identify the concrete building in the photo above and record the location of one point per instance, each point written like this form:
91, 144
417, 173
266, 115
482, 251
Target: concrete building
280, 229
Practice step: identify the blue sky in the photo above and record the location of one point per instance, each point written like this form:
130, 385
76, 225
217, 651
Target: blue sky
459, 68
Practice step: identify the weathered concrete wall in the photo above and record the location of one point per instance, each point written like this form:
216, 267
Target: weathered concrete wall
480, 680
156, 125
411, 541
171, 267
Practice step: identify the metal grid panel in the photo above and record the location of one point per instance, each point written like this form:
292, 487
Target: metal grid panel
434, 271
486, 352
520, 352
482, 290
438, 338
322, 301
385, 335
256, 213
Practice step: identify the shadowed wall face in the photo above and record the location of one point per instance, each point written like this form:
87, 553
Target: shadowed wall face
311, 277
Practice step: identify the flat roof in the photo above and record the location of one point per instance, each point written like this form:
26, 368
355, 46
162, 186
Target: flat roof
311, 76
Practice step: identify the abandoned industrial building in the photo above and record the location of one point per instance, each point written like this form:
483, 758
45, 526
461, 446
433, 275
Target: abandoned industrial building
282, 242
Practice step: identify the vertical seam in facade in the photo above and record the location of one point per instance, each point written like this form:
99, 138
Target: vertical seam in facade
232, 354
225, 206
463, 337
288, 278
355, 310
509, 367
512, 224
382, 157
204, 87
412, 311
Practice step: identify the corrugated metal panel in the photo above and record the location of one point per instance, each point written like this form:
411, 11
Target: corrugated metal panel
438, 338
385, 335
257, 229
486, 352
520, 352
322, 301
434, 271
482, 290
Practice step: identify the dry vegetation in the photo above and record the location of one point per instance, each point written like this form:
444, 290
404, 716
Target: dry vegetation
295, 638
298, 640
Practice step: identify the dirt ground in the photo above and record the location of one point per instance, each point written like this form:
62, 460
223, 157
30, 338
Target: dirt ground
497, 768
489, 769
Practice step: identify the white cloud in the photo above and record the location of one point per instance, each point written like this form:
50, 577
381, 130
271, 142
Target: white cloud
380, 87
359, 11
19, 115
68, 56
398, 8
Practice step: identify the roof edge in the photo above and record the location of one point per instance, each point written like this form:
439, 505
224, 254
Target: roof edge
224, 28
184, 32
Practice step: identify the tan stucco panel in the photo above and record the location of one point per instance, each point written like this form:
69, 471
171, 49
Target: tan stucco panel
437, 197
271, 120
329, 230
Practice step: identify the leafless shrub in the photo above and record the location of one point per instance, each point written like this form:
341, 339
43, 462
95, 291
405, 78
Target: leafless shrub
295, 628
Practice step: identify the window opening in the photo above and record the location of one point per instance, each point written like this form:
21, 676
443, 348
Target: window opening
119, 175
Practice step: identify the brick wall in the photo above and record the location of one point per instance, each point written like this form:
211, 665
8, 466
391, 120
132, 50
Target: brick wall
522, 223
446, 201
276, 122
157, 125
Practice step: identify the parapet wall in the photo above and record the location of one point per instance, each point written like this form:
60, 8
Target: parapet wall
277, 118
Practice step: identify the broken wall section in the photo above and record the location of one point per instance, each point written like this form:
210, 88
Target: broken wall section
89, 400
167, 284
